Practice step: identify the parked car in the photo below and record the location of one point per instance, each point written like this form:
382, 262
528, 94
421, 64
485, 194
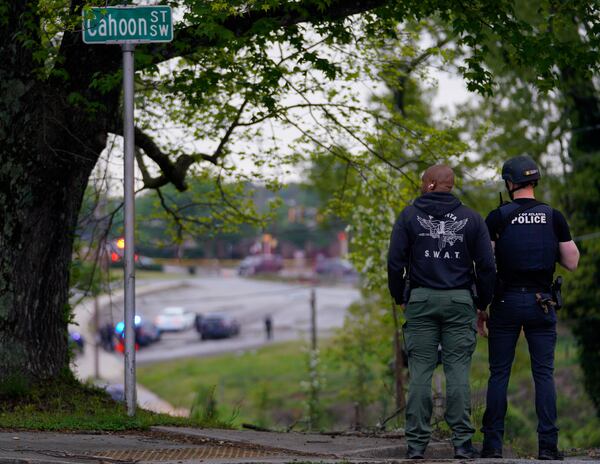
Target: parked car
146, 332
258, 264
175, 319
218, 326
335, 267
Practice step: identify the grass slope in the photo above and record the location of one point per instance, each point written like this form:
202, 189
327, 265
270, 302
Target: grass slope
69, 405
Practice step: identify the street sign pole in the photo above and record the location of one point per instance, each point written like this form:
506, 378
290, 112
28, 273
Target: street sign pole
129, 144
127, 26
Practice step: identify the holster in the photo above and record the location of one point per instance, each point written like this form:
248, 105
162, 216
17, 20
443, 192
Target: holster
406, 291
556, 292
546, 303
475, 296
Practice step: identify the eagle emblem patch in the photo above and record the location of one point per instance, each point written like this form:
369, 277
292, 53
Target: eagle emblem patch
444, 231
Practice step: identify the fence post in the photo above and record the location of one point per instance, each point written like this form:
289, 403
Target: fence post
313, 319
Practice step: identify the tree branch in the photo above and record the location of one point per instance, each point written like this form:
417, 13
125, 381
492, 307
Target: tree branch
219, 151
172, 172
408, 67
229, 203
146, 177
173, 213
189, 39
175, 173
82, 61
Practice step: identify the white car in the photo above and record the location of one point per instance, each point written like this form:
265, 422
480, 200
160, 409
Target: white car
174, 319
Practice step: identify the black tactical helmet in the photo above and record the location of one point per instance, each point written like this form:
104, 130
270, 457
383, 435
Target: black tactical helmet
520, 170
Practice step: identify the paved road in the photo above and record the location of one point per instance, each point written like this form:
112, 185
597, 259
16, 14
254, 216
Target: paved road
249, 301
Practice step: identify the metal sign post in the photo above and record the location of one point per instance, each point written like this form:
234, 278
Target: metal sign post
129, 144
128, 26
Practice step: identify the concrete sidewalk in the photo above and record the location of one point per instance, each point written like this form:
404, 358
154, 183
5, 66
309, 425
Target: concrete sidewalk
338, 446
185, 445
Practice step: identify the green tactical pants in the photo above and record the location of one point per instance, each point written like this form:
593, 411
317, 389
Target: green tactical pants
434, 317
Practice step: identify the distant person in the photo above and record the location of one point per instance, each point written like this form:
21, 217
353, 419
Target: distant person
107, 337
529, 238
439, 250
269, 327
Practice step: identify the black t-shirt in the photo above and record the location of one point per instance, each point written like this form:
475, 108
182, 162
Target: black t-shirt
530, 279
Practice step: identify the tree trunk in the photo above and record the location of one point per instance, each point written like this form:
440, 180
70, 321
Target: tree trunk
53, 126
46, 158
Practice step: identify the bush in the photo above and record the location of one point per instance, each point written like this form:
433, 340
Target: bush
586, 331
519, 431
205, 405
14, 387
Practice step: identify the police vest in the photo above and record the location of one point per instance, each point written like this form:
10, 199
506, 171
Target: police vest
528, 242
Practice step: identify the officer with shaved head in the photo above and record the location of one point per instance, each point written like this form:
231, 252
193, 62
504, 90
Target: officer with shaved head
441, 266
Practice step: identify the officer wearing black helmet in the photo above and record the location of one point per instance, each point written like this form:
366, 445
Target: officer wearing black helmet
529, 238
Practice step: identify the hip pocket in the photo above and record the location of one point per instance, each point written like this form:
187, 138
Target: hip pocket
464, 301
417, 295
417, 301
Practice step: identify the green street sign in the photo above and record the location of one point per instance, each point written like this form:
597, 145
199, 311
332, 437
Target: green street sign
116, 25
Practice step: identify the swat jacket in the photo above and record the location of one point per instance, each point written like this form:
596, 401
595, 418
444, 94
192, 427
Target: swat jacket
444, 245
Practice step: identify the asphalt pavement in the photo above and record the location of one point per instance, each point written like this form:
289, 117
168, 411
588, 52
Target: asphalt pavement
248, 300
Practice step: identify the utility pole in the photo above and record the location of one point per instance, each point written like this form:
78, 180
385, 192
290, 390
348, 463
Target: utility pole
102, 265
313, 319
313, 366
96, 339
